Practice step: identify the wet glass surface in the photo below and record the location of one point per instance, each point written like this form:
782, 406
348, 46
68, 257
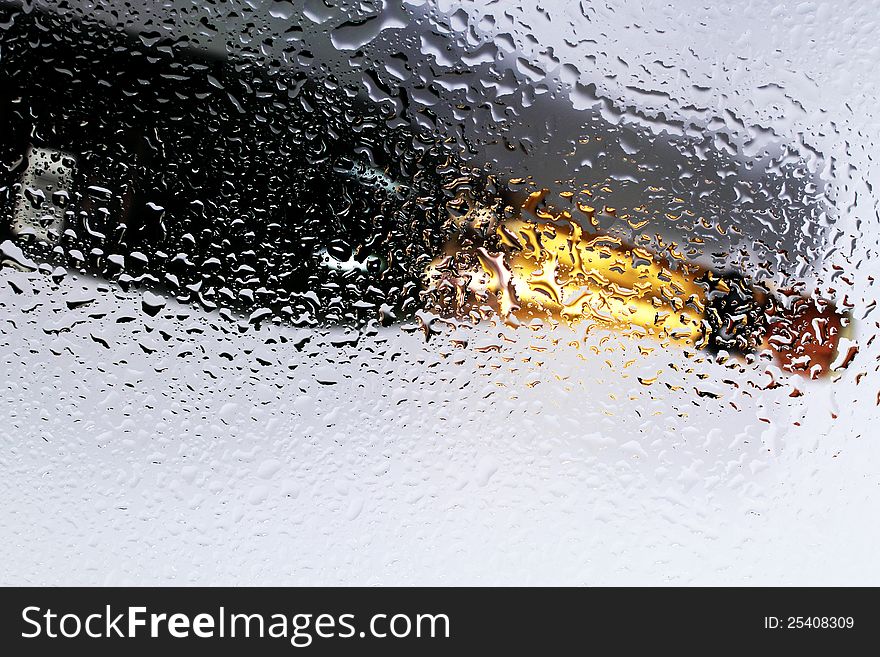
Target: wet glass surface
438, 292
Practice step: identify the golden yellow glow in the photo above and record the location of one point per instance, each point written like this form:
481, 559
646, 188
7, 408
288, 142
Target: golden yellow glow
543, 264
550, 268
558, 271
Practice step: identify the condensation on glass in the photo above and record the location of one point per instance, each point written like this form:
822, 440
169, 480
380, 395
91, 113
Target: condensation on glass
438, 292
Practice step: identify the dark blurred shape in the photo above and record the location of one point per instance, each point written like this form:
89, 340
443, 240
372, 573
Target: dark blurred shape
219, 181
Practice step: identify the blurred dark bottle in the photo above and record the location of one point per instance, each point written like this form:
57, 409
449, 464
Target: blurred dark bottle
218, 181
278, 195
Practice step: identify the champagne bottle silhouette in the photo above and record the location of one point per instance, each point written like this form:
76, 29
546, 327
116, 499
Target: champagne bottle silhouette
233, 185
